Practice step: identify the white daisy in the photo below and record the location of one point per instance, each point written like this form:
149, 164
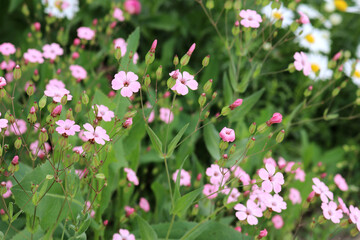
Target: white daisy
311, 12
316, 40
319, 67
61, 8
283, 13
352, 69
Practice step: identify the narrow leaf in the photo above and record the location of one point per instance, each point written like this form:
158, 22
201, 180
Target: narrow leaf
176, 139
211, 137
146, 231
183, 203
154, 140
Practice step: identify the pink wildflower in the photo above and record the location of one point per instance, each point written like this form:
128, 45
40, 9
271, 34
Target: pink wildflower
81, 173
355, 216
85, 33
275, 203
118, 14
27, 85
129, 210
250, 212
9, 66
341, 182
57, 94
302, 63
39, 151
183, 82
304, 19
241, 175
103, 113
289, 166
343, 206
300, 175
121, 43
127, 82
281, 163
166, 115
210, 191
57, 111
123, 235
294, 196
185, 178
270, 161
132, 6
250, 18
271, 181
2, 82
98, 134
227, 134
33, 56
263, 233
78, 150
8, 186
131, 176
276, 118
78, 72
278, 221
144, 204
236, 104
128, 122
321, 189
67, 127
233, 195
18, 127
218, 176
330, 212
7, 49
51, 51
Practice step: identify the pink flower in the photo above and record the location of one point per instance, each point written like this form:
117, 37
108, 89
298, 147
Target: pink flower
303, 18
241, 175
131, 176
124, 235
300, 175
263, 233
218, 176
78, 150
340, 182
236, 104
321, 189
233, 195
129, 210
2, 82
7, 49
276, 118
51, 51
54, 83
210, 191
343, 206
39, 151
270, 161
9, 66
128, 122
18, 127
132, 6
166, 115
355, 216
85, 33
302, 63
271, 181
8, 186
294, 196
121, 43
337, 56
57, 94
57, 111
289, 166
82, 136
330, 212
118, 14
104, 113
98, 134
67, 127
183, 82
88, 205
275, 203
78, 72
250, 18
238, 228
81, 173
227, 134
127, 82
281, 163
250, 212
277, 221
185, 178
144, 204
37, 26
33, 56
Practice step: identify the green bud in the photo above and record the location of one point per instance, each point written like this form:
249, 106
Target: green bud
42, 102
228, 5
208, 85
206, 61
147, 80
85, 98
357, 101
202, 99
185, 60
206, 115
252, 128
237, 5
354, 232
159, 73
51, 129
294, 26
176, 60
78, 107
18, 143
2, 92
43, 136
64, 99
232, 149
171, 82
262, 128
268, 154
214, 95
118, 53
280, 136
250, 143
149, 58
210, 4
343, 84
63, 141
30, 90
223, 145
130, 114
17, 72
100, 176
225, 111
335, 92
69, 114
87, 146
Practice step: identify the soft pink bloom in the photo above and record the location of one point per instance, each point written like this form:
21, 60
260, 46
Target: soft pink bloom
294, 196
124, 235
343, 206
78, 72
33, 56
57, 111
7, 49
263, 233
277, 221
185, 178
85, 33
302, 63
303, 18
289, 166
3, 123
250, 18
321, 189
236, 104
67, 127
104, 113
9, 66
270, 161
9, 76
128, 122
92, 212
39, 151
55, 83
183, 82
276, 118
210, 191
275, 203
144, 204
166, 115
18, 127
355, 216
8, 186
37, 26
238, 228
337, 56
127, 82
259, 196
218, 176
98, 134
271, 181
132, 6
81, 172
191, 49
78, 150
129, 210
121, 43
340, 182
300, 175
51, 51
241, 175
250, 212
131, 176
233, 195
57, 94
227, 134
2, 82
151, 116
82, 136
118, 14
330, 212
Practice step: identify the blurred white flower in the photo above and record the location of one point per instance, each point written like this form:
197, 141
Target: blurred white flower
319, 67
352, 69
283, 13
316, 40
309, 11
61, 8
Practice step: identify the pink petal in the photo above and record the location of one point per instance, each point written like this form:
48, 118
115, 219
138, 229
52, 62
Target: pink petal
192, 84
252, 220
134, 86
267, 186
241, 215
88, 127
126, 92
182, 89
263, 174
270, 168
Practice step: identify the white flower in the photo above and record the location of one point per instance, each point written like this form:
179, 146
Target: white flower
352, 69
316, 40
286, 15
309, 11
319, 67
335, 18
61, 8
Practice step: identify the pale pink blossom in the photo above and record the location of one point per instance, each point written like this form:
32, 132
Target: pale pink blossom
233, 195
227, 134
210, 191
343, 206
185, 178
183, 82
123, 235
67, 127
289, 166
250, 212
118, 14
302, 63
51, 51
129, 210
98, 134
218, 176
131, 176
263, 233
294, 196
304, 19
355, 216
55, 83
8, 66
3, 123
278, 221
321, 189
121, 43
275, 203
82, 136
81, 173
8, 186
250, 18
241, 175
57, 94
39, 151
104, 113
33, 56
78, 150
18, 127
276, 118
92, 212
236, 104
300, 175
144, 204
271, 181
270, 161
128, 122
78, 72
166, 115
132, 6
281, 163
341, 182
7, 49
2, 82
127, 82
85, 33
330, 212
259, 196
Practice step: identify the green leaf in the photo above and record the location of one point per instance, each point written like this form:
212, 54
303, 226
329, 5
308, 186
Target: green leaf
13, 219
228, 93
287, 121
132, 45
154, 140
14, 4
146, 231
247, 105
84, 225
176, 139
183, 203
211, 138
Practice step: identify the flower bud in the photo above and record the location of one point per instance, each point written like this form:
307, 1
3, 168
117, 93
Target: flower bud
69, 114
159, 73
262, 234
262, 128
235, 104
252, 128
232, 149
280, 136
214, 95
118, 53
42, 102
202, 99
276, 118
147, 80
2, 92
85, 98
223, 145
335, 92
18, 143
130, 114
43, 136
128, 122
37, 26
185, 60
78, 107
250, 143
15, 160
10, 118
176, 60
208, 85
149, 58
64, 99
206, 115
17, 72
225, 111
30, 90
206, 61
171, 82
236, 28
57, 111
153, 46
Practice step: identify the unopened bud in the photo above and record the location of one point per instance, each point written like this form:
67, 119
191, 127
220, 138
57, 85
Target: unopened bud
208, 85
64, 99
85, 98
118, 53
78, 107
206, 61
214, 95
69, 114
128, 122
15, 160
43, 136
149, 58
206, 115
18, 143
176, 60
262, 128
153, 46
42, 102
57, 111
159, 73
225, 111
171, 82
250, 143
130, 114
202, 99
252, 128
335, 92
17, 72
232, 149
280, 136
147, 80
30, 90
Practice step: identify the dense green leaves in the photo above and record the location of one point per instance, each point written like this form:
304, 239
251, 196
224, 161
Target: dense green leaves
183, 203
146, 231
212, 139
172, 145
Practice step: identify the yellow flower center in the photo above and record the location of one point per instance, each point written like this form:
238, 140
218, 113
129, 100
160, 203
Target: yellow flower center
310, 38
315, 67
277, 15
341, 5
357, 73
